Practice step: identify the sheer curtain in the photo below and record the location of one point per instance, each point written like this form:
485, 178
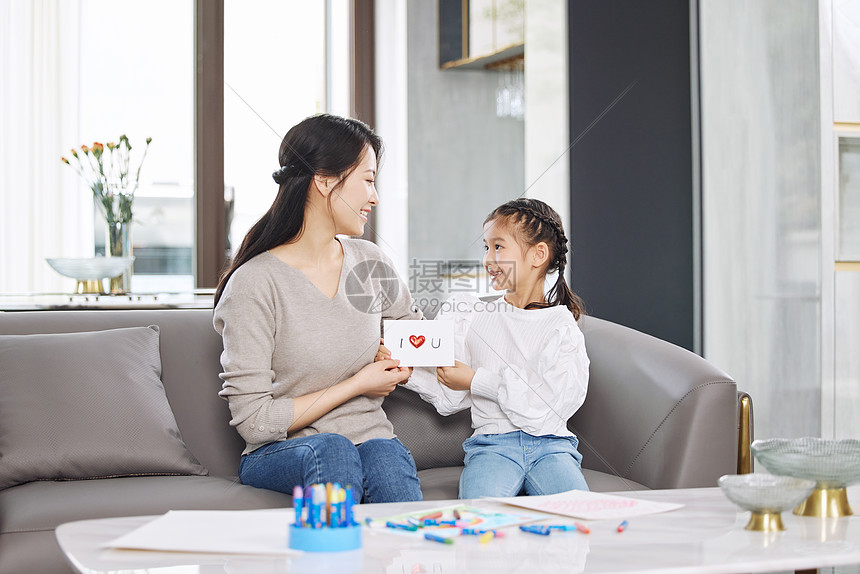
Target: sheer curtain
761, 209
44, 211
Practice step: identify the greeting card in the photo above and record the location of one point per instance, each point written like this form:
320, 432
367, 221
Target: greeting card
420, 343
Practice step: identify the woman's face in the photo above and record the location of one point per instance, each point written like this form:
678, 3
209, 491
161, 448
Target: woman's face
351, 202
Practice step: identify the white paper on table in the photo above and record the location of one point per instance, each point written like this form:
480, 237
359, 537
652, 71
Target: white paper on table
218, 531
590, 505
420, 343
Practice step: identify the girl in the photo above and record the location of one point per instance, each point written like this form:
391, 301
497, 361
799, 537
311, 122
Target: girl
524, 369
300, 340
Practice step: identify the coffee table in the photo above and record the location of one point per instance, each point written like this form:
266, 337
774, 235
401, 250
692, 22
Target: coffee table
705, 536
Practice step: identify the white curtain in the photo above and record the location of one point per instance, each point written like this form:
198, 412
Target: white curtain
44, 210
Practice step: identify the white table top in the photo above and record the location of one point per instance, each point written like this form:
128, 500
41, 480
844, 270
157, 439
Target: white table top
705, 536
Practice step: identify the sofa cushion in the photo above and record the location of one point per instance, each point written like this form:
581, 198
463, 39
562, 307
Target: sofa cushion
603, 482
434, 441
86, 405
32, 552
444, 483
441, 483
45, 505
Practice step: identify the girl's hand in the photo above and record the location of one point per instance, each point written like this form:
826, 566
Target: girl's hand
457, 378
381, 377
383, 353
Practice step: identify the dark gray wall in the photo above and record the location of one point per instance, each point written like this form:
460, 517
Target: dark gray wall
632, 208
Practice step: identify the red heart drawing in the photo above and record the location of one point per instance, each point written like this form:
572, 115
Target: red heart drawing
416, 341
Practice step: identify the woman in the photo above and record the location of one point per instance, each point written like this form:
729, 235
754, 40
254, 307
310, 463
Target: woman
300, 339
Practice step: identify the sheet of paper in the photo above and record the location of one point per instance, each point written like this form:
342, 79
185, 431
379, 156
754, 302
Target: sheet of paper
590, 505
420, 343
219, 531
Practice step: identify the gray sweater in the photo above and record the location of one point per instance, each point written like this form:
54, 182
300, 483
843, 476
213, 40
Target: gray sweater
283, 338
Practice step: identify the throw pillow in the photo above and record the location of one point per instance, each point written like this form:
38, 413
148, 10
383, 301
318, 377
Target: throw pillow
86, 405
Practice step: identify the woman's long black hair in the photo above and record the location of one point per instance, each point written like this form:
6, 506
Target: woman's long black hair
324, 145
533, 221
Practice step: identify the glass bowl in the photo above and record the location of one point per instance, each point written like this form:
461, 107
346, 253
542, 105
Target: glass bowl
90, 268
765, 493
832, 464
765, 496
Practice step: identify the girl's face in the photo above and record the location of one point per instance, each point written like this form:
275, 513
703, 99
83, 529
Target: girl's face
504, 259
351, 202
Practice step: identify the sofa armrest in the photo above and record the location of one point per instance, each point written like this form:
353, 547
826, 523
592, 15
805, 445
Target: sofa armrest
655, 413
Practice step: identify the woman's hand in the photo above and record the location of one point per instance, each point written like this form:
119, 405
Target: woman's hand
457, 378
377, 379
383, 353
381, 377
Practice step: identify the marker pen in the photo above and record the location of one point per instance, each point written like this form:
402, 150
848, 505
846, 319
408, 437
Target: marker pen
317, 505
348, 502
339, 498
542, 530
334, 519
328, 505
436, 538
409, 527
297, 504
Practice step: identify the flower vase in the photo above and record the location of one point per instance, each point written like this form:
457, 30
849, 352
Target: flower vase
118, 244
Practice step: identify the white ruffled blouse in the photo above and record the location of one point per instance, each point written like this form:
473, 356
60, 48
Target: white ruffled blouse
531, 368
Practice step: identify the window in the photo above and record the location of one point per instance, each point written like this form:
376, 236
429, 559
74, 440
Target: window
136, 78
283, 61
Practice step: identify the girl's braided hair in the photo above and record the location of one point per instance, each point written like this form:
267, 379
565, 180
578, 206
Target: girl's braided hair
533, 221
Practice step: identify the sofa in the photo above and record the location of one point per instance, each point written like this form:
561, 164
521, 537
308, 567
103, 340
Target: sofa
79, 440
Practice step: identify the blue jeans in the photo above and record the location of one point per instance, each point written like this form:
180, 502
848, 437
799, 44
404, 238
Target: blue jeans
379, 470
516, 462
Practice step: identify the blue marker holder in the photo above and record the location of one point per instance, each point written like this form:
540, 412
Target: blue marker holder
325, 539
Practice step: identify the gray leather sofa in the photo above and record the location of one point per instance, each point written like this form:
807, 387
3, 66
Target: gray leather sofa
656, 416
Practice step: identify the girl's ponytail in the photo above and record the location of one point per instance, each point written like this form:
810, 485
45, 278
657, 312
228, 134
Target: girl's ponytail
560, 293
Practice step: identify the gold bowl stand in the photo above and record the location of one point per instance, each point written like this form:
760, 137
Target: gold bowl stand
765, 522
825, 503
88, 287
